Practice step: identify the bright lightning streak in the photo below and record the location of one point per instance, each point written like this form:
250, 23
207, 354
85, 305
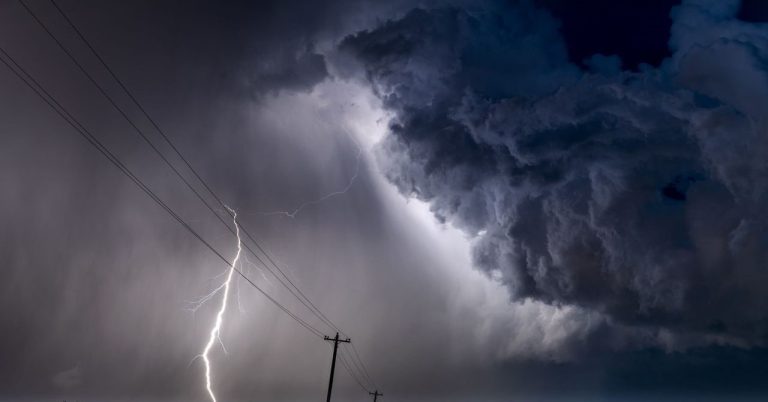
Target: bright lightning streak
244, 268
350, 183
216, 330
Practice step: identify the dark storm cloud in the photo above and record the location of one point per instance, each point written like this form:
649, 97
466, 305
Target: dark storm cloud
637, 31
640, 195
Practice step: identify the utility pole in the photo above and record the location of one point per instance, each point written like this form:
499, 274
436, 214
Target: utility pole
336, 342
375, 394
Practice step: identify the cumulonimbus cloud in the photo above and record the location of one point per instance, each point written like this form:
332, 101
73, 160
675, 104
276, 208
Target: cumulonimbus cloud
636, 194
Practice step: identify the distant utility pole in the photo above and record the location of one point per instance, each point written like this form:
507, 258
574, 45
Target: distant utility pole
375, 394
336, 342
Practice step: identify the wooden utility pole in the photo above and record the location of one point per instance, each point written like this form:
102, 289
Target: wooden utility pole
336, 342
375, 394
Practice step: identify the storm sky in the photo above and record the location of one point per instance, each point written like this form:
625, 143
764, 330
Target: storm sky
496, 200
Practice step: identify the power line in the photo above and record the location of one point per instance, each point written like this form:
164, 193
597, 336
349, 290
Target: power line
293, 289
361, 366
356, 366
51, 101
351, 372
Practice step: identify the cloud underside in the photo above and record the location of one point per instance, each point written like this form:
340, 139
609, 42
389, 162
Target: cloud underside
637, 195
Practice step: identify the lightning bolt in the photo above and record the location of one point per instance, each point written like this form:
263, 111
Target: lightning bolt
216, 330
350, 183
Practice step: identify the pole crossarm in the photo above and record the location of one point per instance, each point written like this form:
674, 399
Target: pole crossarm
336, 341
